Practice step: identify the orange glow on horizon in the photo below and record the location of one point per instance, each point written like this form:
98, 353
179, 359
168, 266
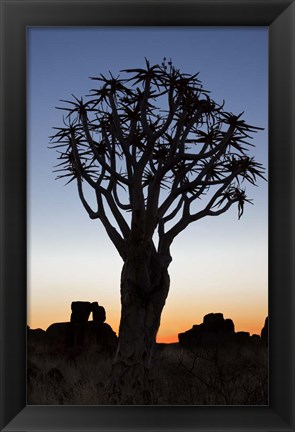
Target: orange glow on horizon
165, 335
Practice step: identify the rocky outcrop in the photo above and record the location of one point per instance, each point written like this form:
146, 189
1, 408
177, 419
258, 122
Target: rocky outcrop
215, 330
70, 335
78, 334
64, 334
36, 334
81, 311
242, 337
216, 322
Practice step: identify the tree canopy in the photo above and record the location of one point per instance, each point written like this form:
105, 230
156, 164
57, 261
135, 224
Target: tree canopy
153, 142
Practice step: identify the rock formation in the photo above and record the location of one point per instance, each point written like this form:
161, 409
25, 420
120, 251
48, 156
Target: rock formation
78, 334
36, 334
98, 313
216, 330
80, 312
213, 330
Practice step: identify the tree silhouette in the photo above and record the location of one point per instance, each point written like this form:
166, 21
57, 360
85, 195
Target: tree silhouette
158, 154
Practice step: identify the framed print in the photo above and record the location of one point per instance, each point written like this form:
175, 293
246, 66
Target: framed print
152, 129
209, 198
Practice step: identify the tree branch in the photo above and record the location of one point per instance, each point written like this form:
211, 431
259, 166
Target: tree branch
117, 214
116, 238
92, 214
97, 156
119, 132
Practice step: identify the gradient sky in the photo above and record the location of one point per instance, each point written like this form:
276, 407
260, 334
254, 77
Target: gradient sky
219, 264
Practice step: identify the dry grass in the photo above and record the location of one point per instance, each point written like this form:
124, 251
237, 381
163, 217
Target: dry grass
55, 379
221, 376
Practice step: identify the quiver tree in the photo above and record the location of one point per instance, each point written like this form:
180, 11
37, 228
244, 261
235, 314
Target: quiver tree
158, 154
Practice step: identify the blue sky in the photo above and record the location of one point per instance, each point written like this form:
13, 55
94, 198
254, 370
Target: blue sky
219, 264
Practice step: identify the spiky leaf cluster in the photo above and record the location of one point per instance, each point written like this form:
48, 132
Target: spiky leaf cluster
154, 141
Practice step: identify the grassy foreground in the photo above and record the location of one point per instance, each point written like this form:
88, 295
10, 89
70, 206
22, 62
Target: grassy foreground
223, 375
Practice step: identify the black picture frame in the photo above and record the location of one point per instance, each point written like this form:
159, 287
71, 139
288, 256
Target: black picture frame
16, 16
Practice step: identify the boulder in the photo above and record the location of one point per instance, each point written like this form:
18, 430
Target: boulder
60, 334
228, 326
68, 335
36, 334
57, 330
107, 337
100, 334
242, 337
188, 338
255, 339
80, 312
98, 313
214, 330
213, 322
80, 334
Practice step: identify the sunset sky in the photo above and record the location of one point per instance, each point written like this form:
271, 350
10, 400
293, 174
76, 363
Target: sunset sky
219, 264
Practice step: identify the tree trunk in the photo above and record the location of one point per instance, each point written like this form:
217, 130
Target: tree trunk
144, 289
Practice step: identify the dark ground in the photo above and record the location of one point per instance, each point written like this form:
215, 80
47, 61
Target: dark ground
225, 373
